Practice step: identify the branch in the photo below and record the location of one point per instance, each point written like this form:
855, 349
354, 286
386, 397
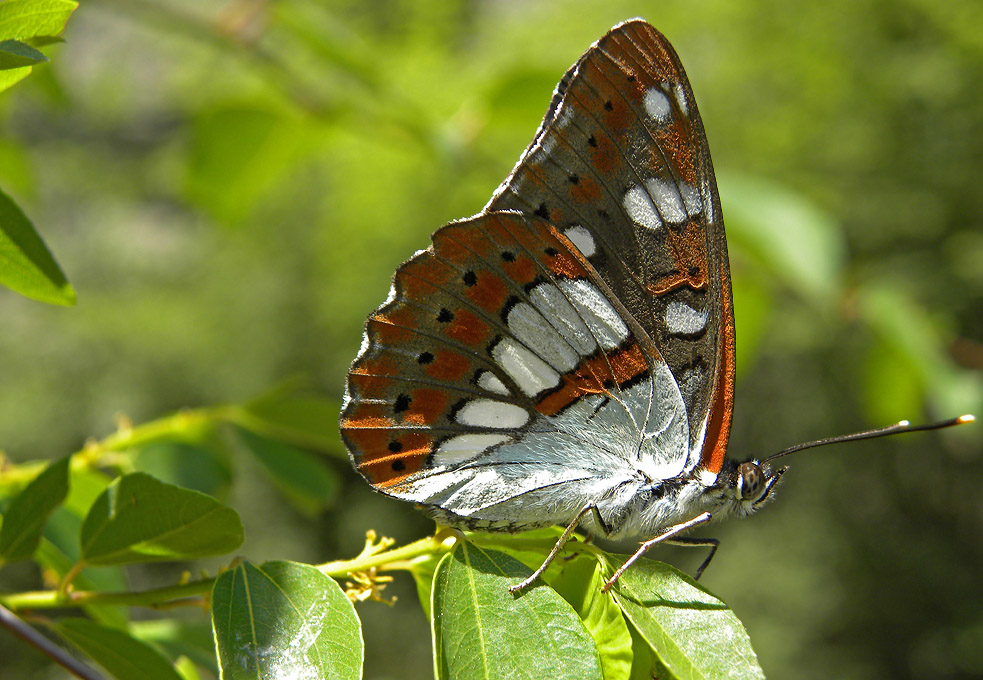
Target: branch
45, 646
155, 597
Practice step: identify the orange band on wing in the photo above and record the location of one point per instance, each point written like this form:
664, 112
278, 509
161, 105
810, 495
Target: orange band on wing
595, 375
722, 409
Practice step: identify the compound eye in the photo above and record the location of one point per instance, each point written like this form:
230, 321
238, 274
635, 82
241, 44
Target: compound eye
751, 480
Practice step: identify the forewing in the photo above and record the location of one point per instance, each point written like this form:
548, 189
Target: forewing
621, 166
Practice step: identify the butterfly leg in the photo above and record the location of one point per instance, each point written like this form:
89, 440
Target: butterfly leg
712, 543
669, 533
564, 537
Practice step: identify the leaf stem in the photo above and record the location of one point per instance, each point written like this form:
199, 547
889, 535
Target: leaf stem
69, 577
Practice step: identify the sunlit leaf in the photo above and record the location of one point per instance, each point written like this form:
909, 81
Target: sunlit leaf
8, 79
693, 633
579, 583
481, 630
20, 19
26, 265
284, 620
188, 638
122, 655
24, 518
140, 519
186, 668
423, 571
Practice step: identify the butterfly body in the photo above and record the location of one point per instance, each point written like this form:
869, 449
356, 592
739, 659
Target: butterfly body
568, 353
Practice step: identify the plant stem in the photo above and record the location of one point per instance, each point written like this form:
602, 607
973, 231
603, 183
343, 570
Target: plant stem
167, 596
155, 597
425, 546
535, 544
46, 646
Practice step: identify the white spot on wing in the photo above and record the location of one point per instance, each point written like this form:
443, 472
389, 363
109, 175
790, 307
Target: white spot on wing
667, 199
464, 447
682, 319
489, 381
530, 373
681, 98
657, 105
601, 318
492, 413
640, 208
659, 202
692, 199
555, 307
530, 328
581, 238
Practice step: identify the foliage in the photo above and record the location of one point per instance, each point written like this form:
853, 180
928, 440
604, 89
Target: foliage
25, 263
287, 619
232, 197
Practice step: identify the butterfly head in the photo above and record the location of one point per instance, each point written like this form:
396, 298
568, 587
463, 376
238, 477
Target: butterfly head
742, 488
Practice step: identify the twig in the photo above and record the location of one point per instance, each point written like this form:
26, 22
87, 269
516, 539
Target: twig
32, 637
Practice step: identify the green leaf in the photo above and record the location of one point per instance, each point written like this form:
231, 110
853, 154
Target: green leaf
188, 638
140, 519
59, 549
284, 620
21, 19
26, 265
14, 54
693, 633
44, 40
8, 79
304, 479
190, 466
423, 571
480, 630
304, 420
186, 668
787, 234
122, 655
921, 350
579, 583
24, 520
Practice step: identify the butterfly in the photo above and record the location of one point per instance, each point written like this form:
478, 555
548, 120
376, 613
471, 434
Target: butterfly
566, 356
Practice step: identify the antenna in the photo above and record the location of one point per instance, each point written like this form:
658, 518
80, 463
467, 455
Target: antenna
898, 428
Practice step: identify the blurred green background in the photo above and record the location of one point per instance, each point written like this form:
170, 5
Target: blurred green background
230, 185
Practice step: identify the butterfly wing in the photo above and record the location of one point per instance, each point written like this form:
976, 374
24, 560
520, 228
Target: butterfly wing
502, 386
572, 343
621, 166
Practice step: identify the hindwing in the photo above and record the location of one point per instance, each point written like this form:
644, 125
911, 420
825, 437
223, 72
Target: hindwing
502, 384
